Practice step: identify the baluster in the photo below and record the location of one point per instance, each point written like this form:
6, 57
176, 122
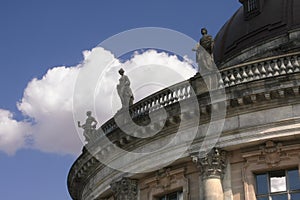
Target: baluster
256, 72
145, 106
296, 64
289, 65
172, 97
276, 68
185, 94
188, 91
157, 105
176, 96
238, 77
282, 67
263, 71
161, 100
250, 73
179, 93
164, 99
139, 112
153, 103
167, 98
244, 74
232, 78
226, 79
269, 69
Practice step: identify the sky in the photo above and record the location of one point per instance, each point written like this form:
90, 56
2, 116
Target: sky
43, 47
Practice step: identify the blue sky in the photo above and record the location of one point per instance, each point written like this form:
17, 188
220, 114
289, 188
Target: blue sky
38, 35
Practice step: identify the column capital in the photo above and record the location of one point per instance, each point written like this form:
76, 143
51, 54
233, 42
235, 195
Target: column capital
211, 164
125, 189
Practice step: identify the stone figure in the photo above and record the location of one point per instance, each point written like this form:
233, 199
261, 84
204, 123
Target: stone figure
206, 41
124, 90
89, 127
204, 58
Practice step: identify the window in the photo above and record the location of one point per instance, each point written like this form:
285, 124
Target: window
172, 196
252, 5
278, 185
251, 8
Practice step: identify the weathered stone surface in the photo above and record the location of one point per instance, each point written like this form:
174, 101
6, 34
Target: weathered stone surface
125, 189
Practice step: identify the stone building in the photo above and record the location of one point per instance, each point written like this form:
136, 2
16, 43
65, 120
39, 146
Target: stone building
257, 154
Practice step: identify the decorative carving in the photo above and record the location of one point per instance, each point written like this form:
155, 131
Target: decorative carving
163, 178
124, 90
213, 164
89, 127
271, 153
125, 189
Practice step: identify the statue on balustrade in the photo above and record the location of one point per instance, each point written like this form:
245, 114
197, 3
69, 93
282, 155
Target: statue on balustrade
89, 127
124, 90
206, 41
205, 58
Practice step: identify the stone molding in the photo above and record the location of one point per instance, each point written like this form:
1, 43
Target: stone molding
125, 189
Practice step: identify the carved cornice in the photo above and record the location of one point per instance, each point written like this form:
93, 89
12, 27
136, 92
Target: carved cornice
125, 189
213, 164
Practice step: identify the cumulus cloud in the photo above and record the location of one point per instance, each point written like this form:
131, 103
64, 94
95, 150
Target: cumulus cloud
57, 101
48, 102
12, 133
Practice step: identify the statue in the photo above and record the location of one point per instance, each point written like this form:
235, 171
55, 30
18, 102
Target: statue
205, 60
89, 127
206, 42
124, 90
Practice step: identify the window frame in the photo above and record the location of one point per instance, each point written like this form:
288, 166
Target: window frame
166, 196
287, 192
252, 8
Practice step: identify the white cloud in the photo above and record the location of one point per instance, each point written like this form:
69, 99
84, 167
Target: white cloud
12, 133
49, 101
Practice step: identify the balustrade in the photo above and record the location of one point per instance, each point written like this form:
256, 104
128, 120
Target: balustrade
265, 68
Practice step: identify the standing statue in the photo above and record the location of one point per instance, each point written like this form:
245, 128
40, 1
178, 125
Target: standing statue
206, 41
89, 127
124, 90
205, 58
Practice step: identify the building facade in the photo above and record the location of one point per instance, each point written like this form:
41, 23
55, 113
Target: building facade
257, 154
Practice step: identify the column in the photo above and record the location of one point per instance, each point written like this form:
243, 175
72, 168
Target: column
212, 169
125, 189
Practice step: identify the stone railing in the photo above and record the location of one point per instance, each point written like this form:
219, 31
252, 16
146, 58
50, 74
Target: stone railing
246, 72
160, 99
259, 69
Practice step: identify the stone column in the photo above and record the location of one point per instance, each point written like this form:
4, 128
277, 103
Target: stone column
125, 189
212, 168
